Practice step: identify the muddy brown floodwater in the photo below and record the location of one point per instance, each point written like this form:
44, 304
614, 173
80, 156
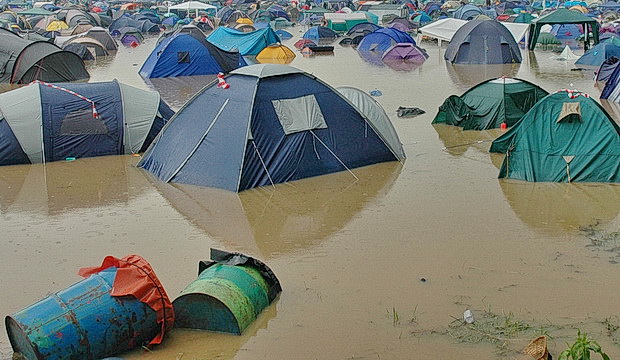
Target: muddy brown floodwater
377, 268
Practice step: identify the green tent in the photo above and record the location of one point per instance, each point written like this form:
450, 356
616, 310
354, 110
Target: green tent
564, 16
489, 104
565, 137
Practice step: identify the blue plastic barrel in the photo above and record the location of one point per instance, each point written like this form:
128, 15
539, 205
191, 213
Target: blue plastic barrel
82, 322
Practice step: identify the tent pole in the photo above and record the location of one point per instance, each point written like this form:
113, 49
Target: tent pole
197, 144
331, 152
263, 163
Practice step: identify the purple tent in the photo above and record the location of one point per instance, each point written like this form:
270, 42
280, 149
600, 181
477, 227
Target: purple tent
405, 52
129, 39
398, 26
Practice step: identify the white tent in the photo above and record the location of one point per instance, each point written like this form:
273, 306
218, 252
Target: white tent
192, 5
444, 30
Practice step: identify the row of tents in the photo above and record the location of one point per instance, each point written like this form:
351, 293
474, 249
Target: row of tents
564, 136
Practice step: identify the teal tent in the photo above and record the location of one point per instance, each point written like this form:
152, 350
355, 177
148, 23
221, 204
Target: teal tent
564, 16
565, 137
489, 104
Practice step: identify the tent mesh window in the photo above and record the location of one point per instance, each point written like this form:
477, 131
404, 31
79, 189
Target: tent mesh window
183, 57
82, 122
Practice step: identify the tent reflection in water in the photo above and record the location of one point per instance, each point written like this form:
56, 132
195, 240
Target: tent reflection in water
274, 124
269, 224
555, 208
565, 137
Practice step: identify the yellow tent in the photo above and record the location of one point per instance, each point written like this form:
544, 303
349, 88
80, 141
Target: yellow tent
56, 26
580, 8
245, 20
276, 54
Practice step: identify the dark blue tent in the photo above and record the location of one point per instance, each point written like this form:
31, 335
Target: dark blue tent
362, 27
483, 42
607, 68
184, 55
274, 124
384, 38
126, 21
600, 52
320, 33
567, 31
467, 12
108, 118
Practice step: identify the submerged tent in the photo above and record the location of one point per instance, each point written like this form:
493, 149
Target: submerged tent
23, 61
565, 137
246, 43
184, 55
274, 124
483, 42
381, 40
600, 52
41, 123
320, 33
607, 68
489, 104
564, 16
276, 54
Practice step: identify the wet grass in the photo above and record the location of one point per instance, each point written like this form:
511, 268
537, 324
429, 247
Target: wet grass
504, 330
608, 242
612, 328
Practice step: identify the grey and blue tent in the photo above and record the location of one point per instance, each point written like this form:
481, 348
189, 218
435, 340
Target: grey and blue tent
467, 12
23, 61
44, 122
565, 137
274, 124
483, 42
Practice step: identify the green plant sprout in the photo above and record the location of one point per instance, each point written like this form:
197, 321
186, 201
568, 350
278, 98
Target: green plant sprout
581, 348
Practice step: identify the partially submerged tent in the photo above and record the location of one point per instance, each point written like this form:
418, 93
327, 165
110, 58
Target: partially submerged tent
405, 52
483, 42
565, 137
607, 68
276, 54
384, 38
274, 124
489, 104
41, 122
23, 61
320, 34
184, 55
564, 16
246, 43
444, 29
611, 91
600, 52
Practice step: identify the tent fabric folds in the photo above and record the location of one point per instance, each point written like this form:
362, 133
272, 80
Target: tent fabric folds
489, 104
235, 138
565, 137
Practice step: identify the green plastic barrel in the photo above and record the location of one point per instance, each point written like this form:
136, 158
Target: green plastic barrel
224, 298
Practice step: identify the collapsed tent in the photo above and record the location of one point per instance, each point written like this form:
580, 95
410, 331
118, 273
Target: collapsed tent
186, 55
48, 122
489, 104
274, 124
23, 61
246, 43
483, 42
611, 91
607, 68
565, 137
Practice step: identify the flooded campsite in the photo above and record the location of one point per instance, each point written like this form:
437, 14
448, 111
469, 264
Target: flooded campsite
376, 261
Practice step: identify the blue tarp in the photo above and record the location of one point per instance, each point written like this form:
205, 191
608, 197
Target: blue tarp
233, 139
382, 39
246, 43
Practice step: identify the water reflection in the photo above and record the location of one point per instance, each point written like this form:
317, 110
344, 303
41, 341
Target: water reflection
555, 208
268, 221
457, 141
56, 187
177, 90
198, 344
466, 76
543, 65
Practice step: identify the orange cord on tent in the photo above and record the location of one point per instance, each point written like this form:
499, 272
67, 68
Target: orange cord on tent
135, 276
